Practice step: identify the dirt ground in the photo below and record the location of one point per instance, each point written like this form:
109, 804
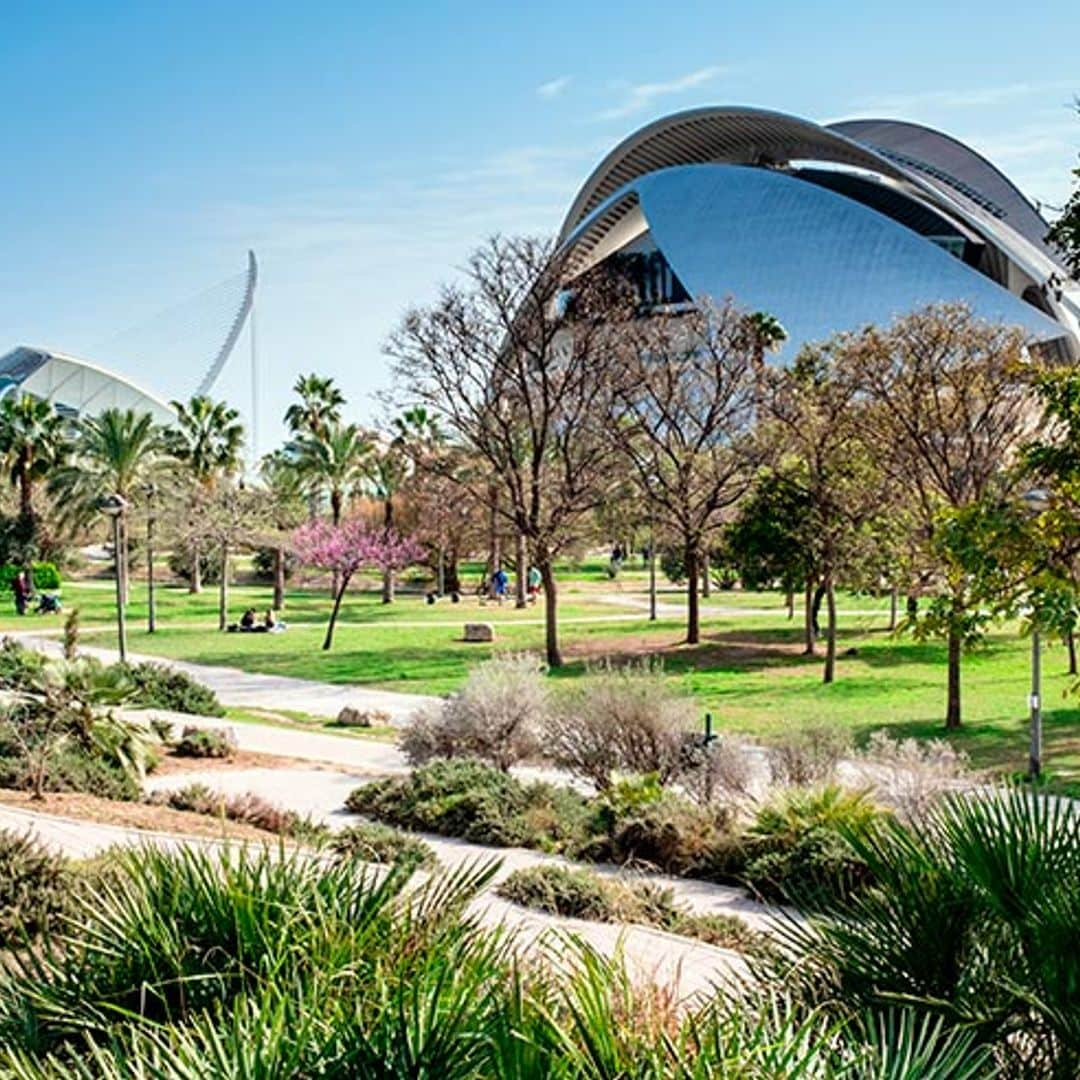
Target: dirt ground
132, 815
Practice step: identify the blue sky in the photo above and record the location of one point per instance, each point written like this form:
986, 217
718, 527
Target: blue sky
363, 149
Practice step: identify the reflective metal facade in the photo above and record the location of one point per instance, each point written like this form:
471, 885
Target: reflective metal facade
741, 204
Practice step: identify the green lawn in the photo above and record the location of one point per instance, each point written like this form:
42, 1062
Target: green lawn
748, 671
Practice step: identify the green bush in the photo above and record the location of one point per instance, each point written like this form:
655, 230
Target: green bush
560, 890
262, 563
375, 843
198, 742
71, 767
469, 799
45, 575
20, 667
637, 822
34, 888
582, 894
181, 561
799, 845
160, 687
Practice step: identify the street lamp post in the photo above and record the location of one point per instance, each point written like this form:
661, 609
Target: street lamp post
1035, 705
114, 506
1035, 501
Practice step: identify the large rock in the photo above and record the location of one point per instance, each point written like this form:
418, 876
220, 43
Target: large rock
479, 631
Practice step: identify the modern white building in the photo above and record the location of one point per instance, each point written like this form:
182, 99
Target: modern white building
76, 387
828, 228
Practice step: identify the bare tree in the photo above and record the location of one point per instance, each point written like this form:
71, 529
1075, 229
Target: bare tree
682, 413
949, 408
513, 363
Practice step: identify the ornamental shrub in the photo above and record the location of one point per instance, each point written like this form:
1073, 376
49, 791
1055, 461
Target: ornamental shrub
158, 686
198, 742
376, 843
45, 576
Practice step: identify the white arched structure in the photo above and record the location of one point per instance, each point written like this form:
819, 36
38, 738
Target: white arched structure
76, 387
829, 228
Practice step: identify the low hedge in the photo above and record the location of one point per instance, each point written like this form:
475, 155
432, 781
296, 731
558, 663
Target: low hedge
158, 686
375, 843
582, 894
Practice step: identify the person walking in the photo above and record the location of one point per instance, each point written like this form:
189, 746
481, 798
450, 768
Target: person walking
21, 587
500, 582
533, 581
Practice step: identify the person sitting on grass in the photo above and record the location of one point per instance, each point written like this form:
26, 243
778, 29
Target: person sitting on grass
272, 624
247, 620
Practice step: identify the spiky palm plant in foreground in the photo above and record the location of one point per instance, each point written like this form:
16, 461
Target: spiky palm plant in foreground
236, 964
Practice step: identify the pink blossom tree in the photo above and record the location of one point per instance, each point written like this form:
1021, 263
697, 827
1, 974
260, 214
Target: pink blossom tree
350, 546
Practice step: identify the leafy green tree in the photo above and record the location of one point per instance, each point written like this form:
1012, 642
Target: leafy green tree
948, 411
815, 420
206, 441
1065, 232
285, 510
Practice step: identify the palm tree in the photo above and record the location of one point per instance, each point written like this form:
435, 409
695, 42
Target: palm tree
319, 406
767, 335
334, 463
113, 453
33, 442
207, 441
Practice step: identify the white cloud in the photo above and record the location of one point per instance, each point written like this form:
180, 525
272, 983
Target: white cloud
555, 87
642, 95
964, 98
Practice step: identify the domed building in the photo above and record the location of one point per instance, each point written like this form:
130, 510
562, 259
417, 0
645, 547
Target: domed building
828, 227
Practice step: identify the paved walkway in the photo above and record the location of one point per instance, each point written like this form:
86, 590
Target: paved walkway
322, 794
252, 690
691, 968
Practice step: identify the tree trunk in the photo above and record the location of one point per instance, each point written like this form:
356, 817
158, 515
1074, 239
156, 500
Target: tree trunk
815, 610
279, 579
196, 569
124, 559
521, 592
223, 588
952, 706
809, 637
494, 547
338, 597
706, 583
894, 608
1070, 642
693, 609
453, 575
789, 599
551, 621
830, 641
388, 587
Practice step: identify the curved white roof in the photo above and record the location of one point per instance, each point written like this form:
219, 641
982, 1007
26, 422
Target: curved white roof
75, 386
926, 167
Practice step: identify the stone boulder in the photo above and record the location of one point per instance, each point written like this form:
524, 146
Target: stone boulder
479, 631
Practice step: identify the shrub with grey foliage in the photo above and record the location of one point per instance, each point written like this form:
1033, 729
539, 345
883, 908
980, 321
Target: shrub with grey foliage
496, 717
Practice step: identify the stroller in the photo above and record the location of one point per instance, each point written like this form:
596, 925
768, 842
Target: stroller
47, 604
